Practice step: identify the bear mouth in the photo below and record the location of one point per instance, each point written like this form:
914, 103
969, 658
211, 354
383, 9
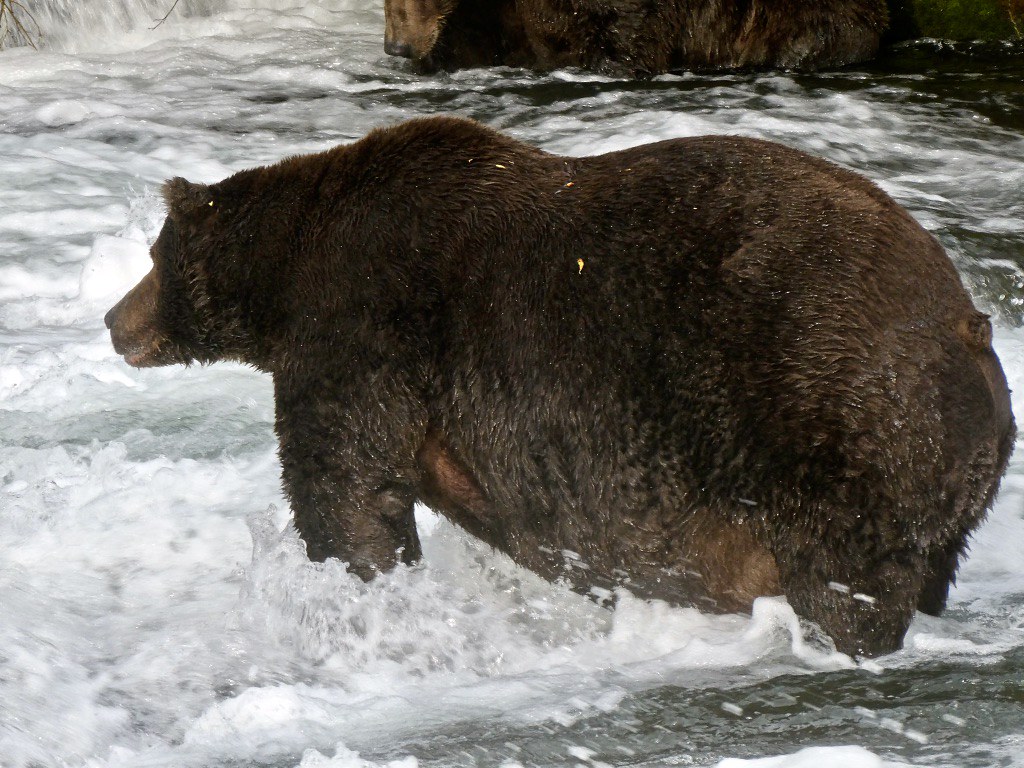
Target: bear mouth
146, 356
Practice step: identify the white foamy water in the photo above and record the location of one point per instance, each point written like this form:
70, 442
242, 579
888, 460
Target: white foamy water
157, 610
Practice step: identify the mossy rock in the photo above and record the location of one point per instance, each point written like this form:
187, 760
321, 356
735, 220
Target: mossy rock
957, 19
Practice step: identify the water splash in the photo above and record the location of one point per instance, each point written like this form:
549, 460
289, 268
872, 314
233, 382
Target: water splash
85, 25
63, 22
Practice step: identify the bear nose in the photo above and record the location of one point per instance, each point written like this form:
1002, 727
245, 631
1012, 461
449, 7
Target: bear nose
110, 317
397, 49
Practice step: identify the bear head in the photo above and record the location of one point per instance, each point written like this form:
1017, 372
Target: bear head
412, 27
180, 311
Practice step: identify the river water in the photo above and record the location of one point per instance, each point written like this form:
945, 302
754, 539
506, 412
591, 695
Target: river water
156, 610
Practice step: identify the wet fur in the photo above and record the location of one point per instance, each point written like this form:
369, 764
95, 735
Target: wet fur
706, 369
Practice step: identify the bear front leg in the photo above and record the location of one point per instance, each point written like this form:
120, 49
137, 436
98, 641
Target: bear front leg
372, 528
347, 467
864, 604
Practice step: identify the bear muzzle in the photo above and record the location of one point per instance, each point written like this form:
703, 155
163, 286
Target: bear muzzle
133, 327
396, 48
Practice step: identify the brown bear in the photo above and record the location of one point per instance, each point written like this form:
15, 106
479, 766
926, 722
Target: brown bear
635, 37
705, 369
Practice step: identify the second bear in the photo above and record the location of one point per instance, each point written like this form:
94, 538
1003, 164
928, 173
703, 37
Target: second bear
635, 37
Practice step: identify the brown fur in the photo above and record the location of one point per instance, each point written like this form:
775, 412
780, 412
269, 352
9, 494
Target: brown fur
766, 377
637, 37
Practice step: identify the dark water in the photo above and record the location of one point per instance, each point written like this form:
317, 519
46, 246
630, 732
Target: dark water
934, 714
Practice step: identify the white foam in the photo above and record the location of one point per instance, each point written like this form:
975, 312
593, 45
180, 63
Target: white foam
115, 264
62, 112
817, 757
346, 758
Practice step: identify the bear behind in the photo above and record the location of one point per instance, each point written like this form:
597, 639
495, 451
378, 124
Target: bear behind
706, 369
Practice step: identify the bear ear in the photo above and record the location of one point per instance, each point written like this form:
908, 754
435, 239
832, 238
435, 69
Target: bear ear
185, 200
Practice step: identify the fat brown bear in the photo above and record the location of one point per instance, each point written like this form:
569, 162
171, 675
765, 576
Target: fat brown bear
705, 369
635, 37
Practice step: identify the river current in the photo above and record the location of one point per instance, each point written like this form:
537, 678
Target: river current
157, 610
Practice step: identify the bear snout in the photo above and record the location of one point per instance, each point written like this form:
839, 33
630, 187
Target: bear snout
111, 316
395, 48
132, 324
411, 27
